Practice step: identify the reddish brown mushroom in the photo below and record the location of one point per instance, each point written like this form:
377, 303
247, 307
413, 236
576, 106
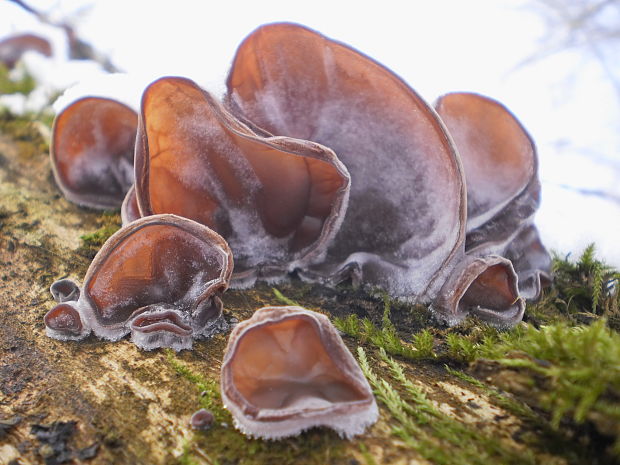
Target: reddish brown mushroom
13, 48
276, 200
92, 150
503, 189
160, 279
286, 370
404, 228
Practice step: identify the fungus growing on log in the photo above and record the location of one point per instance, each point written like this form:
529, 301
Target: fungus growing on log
404, 228
160, 279
503, 189
92, 151
286, 370
278, 201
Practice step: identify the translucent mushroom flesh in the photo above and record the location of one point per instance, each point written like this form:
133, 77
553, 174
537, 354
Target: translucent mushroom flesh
404, 228
92, 151
407, 208
276, 200
503, 189
286, 369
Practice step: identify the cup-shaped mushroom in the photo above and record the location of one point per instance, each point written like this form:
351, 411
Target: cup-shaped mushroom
12, 48
406, 215
64, 322
92, 151
276, 200
65, 290
286, 370
160, 279
501, 168
486, 287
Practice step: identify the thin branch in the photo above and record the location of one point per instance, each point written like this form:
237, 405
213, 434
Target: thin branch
78, 48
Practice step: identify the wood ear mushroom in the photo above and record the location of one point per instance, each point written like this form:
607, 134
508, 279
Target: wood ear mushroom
159, 279
286, 370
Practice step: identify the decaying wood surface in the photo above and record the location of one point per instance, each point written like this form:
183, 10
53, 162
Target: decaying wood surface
131, 406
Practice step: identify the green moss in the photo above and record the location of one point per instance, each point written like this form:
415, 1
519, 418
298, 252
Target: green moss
430, 433
282, 298
92, 242
23, 129
23, 84
208, 389
583, 290
387, 337
573, 371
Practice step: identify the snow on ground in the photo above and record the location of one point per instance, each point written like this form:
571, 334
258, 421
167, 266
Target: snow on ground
566, 100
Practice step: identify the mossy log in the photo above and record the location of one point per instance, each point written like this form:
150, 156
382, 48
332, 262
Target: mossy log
100, 402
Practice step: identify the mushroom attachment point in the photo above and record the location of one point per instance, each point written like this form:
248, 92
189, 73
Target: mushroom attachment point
160, 279
286, 370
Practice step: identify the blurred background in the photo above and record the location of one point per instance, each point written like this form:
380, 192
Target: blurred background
554, 63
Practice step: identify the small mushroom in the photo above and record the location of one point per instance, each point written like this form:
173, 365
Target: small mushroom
160, 279
286, 370
276, 200
202, 420
12, 48
92, 151
503, 189
404, 228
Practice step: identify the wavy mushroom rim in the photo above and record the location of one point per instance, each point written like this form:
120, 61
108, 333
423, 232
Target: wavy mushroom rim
451, 304
348, 418
288, 145
129, 208
196, 229
419, 102
97, 201
65, 290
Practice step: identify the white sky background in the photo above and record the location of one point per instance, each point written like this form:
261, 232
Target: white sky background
566, 100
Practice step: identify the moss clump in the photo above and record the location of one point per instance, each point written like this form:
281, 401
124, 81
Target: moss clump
434, 435
26, 132
583, 290
92, 242
571, 372
387, 337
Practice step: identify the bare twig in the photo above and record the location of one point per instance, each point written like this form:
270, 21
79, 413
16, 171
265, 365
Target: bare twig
78, 48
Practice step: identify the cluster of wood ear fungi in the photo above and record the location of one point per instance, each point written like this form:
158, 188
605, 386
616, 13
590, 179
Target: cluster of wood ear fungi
317, 161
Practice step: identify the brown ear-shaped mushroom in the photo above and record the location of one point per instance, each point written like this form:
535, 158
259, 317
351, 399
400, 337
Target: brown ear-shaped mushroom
404, 228
276, 200
501, 168
12, 48
406, 213
159, 278
92, 150
286, 370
